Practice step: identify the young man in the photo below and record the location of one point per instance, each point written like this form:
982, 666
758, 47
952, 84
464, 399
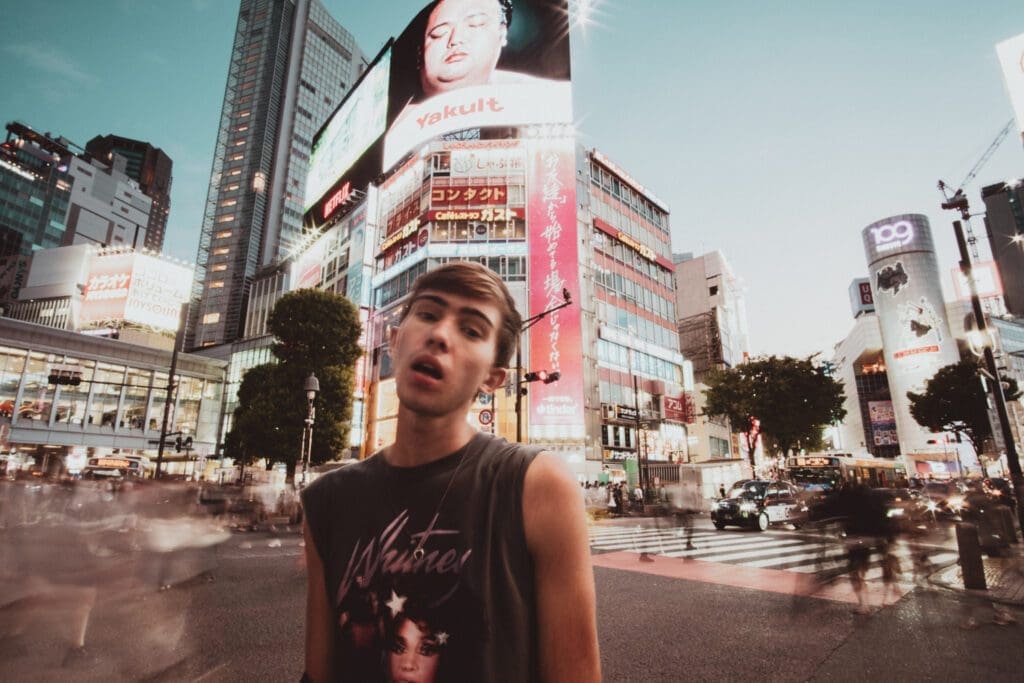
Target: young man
450, 555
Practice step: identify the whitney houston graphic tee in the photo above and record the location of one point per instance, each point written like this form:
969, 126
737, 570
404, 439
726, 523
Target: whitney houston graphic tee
461, 610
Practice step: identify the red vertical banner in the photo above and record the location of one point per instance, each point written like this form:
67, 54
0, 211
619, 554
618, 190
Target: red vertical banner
556, 341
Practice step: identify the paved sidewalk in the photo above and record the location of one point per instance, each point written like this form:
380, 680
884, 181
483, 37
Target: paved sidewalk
1004, 577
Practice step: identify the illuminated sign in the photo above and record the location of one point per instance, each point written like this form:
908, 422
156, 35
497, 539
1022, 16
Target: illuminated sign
407, 231
986, 281
678, 408
485, 158
337, 199
506, 104
556, 409
892, 235
18, 170
135, 288
520, 74
906, 353
641, 249
817, 462
359, 121
496, 214
469, 195
116, 463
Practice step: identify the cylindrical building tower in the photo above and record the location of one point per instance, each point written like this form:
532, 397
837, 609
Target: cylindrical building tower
908, 298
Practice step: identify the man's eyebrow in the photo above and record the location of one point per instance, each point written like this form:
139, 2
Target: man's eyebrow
465, 310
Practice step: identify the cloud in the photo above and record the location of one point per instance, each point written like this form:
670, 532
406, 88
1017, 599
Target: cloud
45, 57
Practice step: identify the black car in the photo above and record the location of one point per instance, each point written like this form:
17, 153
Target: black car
757, 504
1001, 491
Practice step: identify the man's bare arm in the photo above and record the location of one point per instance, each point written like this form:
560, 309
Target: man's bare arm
319, 616
554, 518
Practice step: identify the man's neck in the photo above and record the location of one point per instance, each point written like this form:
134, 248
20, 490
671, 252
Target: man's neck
420, 440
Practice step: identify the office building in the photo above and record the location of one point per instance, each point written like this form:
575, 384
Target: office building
1004, 219
291, 64
151, 168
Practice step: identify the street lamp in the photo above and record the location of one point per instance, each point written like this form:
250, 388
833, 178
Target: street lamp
311, 387
527, 324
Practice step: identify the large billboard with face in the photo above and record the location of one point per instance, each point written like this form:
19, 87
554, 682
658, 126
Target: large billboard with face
459, 65
911, 312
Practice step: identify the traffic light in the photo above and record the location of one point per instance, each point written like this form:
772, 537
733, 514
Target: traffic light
64, 377
535, 376
552, 377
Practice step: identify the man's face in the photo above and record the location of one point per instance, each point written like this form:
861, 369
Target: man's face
444, 353
461, 45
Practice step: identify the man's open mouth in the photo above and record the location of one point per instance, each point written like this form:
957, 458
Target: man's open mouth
427, 369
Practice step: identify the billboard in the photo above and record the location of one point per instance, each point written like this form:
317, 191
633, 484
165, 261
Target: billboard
883, 423
134, 288
1011, 57
346, 151
460, 64
986, 281
475, 64
911, 311
861, 299
556, 409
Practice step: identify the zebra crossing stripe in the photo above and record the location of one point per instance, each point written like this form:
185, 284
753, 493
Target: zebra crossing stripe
702, 545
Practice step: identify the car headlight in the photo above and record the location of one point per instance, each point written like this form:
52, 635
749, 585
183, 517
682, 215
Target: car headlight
748, 506
894, 512
932, 506
955, 502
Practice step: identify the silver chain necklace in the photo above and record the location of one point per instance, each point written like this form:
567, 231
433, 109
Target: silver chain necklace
418, 553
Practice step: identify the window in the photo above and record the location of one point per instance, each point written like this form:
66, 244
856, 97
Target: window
227, 218
222, 234
211, 318
229, 202
221, 251
219, 267
217, 284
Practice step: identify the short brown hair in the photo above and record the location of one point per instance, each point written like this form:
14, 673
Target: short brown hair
474, 280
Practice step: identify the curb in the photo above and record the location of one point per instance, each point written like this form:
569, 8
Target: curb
936, 579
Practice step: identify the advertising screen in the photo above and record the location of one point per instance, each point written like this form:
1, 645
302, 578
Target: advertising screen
556, 409
134, 288
478, 63
347, 137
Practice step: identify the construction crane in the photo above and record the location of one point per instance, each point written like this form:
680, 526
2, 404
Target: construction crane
957, 201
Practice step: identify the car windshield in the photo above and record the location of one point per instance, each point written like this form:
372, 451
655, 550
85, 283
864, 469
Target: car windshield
749, 489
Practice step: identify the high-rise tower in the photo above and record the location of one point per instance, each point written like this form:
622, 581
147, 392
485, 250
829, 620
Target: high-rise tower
151, 168
291, 64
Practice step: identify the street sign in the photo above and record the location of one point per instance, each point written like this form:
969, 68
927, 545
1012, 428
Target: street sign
486, 417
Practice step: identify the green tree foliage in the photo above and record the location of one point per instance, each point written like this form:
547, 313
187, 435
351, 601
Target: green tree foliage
317, 332
788, 401
954, 400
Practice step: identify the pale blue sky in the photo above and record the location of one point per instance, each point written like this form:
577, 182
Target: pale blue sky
774, 130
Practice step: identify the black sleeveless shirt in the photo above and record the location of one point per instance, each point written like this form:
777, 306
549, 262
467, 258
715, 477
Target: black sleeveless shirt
465, 610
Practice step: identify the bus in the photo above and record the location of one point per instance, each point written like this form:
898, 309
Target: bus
822, 472
127, 466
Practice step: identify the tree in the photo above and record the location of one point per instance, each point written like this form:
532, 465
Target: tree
954, 400
316, 332
788, 401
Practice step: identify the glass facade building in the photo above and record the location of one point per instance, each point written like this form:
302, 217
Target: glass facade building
291, 64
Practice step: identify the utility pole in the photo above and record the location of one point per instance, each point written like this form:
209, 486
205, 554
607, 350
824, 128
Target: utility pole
990, 364
171, 385
527, 324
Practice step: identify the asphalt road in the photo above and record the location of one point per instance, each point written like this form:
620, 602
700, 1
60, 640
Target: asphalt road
246, 625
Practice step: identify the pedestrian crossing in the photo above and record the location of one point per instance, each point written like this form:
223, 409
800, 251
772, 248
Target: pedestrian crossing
780, 550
